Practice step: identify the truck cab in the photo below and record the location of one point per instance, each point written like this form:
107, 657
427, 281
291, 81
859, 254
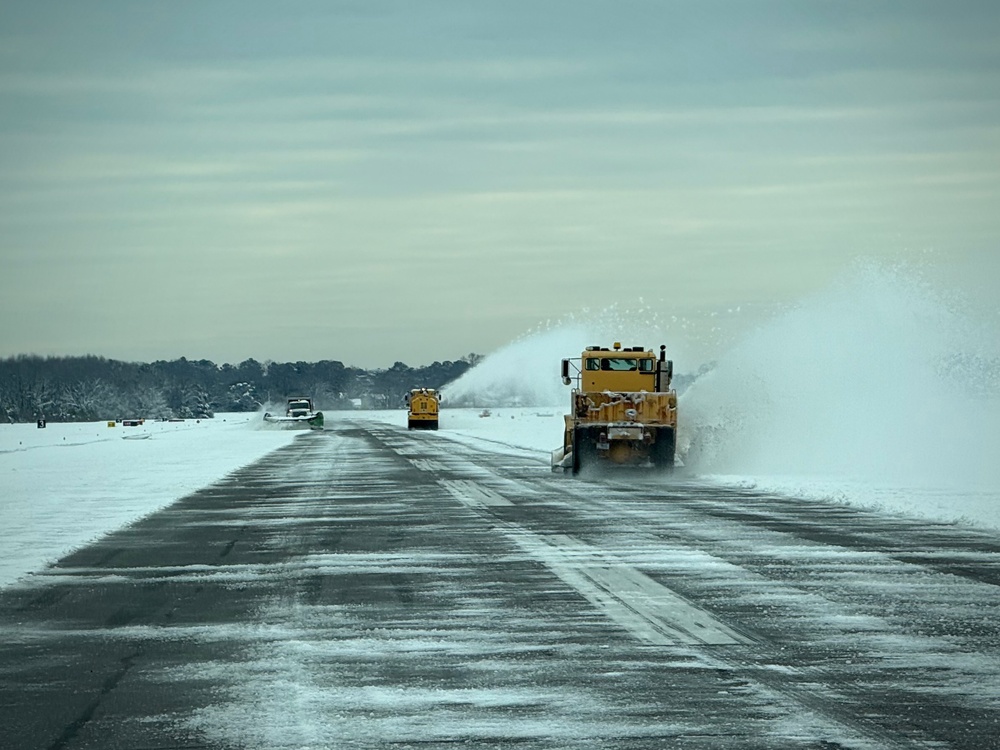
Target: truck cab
628, 370
299, 407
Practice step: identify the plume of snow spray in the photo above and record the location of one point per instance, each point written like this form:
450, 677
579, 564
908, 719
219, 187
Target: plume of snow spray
878, 379
526, 371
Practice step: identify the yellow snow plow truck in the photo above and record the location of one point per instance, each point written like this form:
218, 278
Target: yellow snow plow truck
622, 410
423, 406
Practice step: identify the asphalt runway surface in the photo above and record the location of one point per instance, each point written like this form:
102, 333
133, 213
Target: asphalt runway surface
368, 587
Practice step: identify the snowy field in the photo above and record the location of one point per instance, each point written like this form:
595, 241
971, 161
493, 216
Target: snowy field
70, 483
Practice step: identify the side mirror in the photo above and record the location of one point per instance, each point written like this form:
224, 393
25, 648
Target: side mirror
565, 372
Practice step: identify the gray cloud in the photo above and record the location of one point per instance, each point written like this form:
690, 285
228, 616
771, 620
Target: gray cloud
313, 180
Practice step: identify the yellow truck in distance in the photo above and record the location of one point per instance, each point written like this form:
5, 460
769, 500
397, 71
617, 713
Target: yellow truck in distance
423, 404
622, 410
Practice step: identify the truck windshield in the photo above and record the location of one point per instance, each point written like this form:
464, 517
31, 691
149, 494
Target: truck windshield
618, 364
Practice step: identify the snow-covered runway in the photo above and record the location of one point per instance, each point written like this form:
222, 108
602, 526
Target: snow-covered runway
370, 587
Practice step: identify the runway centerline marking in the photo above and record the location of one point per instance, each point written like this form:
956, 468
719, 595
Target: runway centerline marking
646, 609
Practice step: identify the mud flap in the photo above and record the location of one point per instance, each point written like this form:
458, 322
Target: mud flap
661, 453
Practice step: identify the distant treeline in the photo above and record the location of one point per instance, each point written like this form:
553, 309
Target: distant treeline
94, 388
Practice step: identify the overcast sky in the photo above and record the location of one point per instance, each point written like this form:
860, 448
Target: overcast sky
378, 181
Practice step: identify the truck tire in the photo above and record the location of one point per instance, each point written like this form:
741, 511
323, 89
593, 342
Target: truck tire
662, 451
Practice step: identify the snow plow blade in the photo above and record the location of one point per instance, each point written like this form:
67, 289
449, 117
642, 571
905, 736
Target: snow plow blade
312, 421
561, 460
